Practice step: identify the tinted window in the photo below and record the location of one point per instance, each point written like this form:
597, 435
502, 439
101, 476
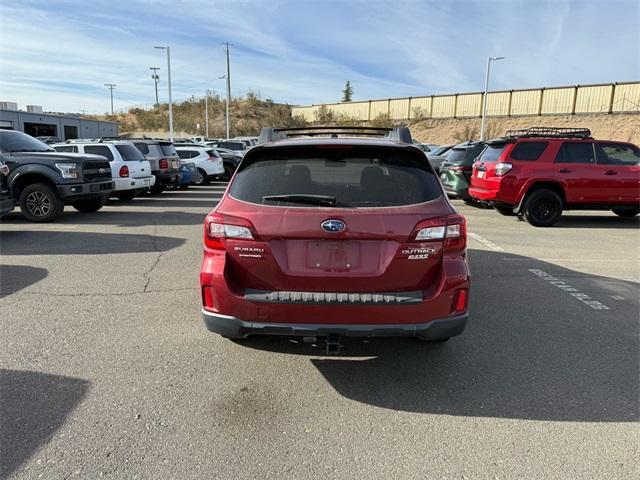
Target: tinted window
464, 156
21, 142
168, 149
528, 150
185, 154
143, 147
130, 153
492, 153
213, 153
574, 152
355, 177
99, 150
66, 148
617, 154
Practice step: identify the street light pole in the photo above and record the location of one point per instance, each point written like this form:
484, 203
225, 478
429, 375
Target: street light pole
206, 116
228, 87
111, 86
156, 79
169, 85
484, 98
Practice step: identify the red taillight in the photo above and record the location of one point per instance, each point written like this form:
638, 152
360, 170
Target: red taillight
452, 229
124, 171
212, 159
502, 169
164, 163
460, 301
217, 228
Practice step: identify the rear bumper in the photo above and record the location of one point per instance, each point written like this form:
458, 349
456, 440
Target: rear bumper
166, 178
233, 327
134, 183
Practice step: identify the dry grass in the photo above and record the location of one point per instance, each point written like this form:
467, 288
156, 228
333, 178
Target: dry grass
625, 127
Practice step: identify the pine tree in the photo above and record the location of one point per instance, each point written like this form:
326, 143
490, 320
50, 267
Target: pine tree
347, 93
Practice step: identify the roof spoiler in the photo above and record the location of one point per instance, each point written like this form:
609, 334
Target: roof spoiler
398, 134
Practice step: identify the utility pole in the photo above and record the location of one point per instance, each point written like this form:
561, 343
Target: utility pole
169, 82
228, 87
206, 116
156, 79
484, 98
111, 86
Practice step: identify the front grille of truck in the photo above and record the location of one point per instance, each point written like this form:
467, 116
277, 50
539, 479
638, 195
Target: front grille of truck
96, 171
334, 298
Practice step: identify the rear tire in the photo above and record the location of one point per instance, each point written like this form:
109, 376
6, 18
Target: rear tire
228, 173
40, 203
626, 212
542, 208
506, 211
126, 195
89, 205
157, 189
204, 180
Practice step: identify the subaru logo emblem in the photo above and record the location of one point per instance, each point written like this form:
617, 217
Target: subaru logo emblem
333, 226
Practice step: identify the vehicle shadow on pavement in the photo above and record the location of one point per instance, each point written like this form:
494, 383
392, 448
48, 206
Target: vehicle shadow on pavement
584, 221
33, 407
29, 242
536, 353
14, 278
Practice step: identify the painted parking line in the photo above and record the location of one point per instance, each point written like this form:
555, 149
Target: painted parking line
569, 289
485, 242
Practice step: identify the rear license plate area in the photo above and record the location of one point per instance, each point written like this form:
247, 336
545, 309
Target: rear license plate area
333, 256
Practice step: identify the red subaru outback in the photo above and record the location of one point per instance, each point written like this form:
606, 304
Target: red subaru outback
335, 236
541, 171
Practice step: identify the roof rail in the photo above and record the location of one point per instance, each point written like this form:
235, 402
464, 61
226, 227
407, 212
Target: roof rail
399, 134
550, 132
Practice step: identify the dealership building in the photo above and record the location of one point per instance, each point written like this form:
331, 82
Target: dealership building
37, 123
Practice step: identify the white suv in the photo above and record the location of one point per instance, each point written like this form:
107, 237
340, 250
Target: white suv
131, 172
207, 161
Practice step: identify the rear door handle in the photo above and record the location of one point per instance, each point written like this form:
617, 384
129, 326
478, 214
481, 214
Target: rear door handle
610, 172
564, 170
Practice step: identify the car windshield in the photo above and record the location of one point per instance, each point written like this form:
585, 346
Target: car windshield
349, 178
130, 153
463, 156
21, 142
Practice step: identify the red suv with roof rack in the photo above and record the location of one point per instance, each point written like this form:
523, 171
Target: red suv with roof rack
335, 236
541, 171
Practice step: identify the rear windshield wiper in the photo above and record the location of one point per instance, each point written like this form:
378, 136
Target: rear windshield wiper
323, 200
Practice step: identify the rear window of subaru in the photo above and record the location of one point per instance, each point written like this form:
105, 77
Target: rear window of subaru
351, 177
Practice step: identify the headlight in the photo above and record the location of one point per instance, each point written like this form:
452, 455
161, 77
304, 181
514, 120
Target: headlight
68, 170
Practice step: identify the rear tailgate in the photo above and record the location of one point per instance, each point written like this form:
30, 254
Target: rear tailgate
366, 243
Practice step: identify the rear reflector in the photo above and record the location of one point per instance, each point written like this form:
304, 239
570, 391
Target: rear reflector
460, 301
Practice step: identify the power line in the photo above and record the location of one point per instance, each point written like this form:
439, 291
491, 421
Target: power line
111, 86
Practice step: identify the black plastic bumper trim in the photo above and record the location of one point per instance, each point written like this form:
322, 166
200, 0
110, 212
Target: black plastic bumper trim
233, 327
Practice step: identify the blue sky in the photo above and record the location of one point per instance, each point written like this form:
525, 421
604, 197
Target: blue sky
60, 53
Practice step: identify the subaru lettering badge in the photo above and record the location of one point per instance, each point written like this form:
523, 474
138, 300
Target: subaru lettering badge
333, 226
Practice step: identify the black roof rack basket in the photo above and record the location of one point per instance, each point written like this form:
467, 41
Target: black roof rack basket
560, 132
399, 134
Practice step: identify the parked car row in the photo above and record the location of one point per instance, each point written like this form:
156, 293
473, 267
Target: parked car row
85, 173
537, 173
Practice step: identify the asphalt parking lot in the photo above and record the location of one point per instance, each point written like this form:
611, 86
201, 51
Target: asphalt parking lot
108, 371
